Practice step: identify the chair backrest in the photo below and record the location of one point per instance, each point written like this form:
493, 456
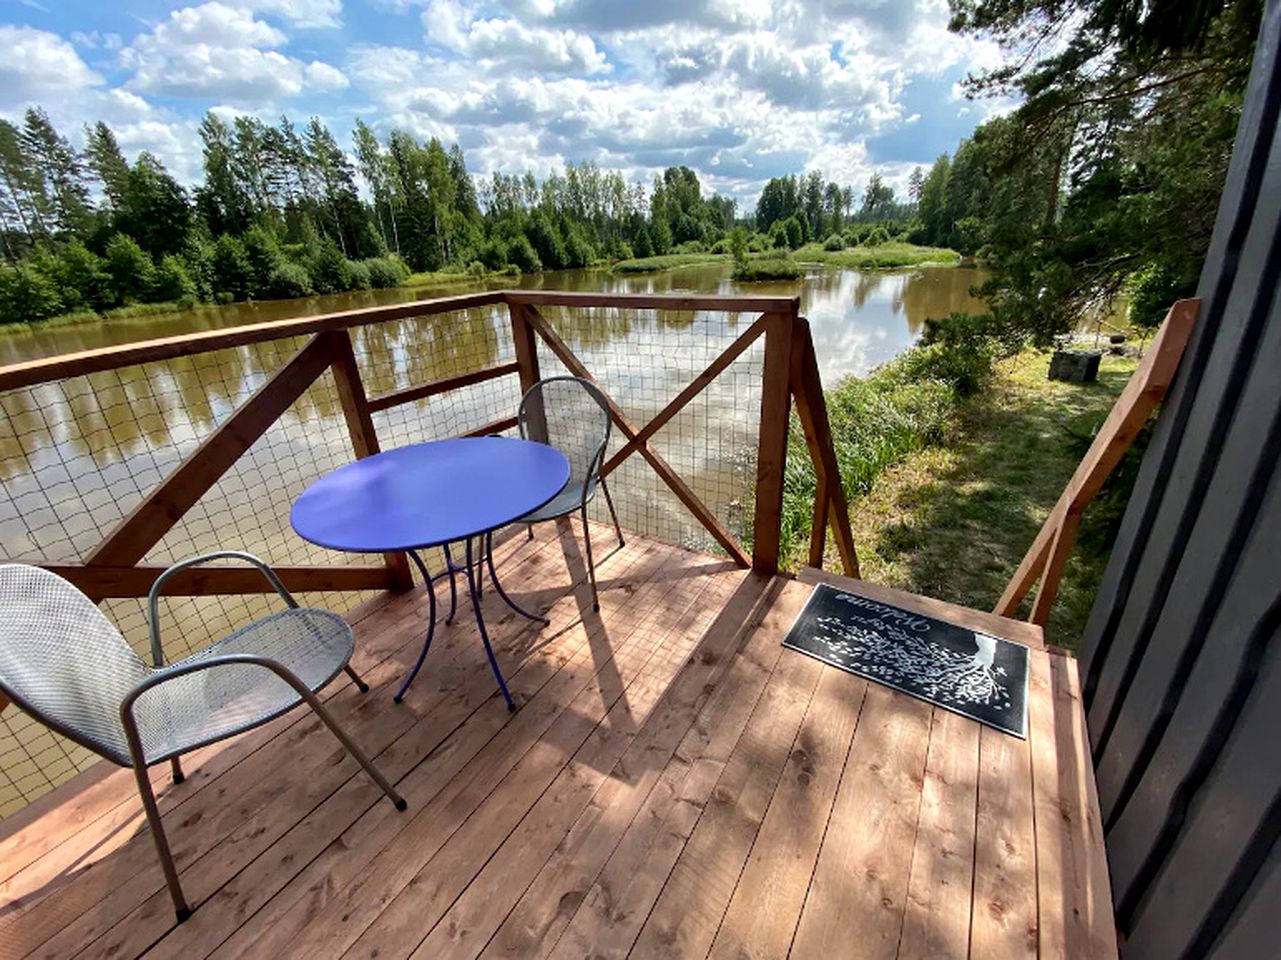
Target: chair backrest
572, 415
63, 661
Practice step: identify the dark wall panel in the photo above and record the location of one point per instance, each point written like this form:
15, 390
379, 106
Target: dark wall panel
1181, 657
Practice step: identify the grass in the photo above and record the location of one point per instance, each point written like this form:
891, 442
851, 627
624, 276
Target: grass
667, 262
882, 257
952, 520
769, 268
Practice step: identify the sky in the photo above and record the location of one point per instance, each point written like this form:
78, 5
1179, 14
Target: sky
740, 91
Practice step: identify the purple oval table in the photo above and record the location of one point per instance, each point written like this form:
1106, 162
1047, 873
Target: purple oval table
432, 495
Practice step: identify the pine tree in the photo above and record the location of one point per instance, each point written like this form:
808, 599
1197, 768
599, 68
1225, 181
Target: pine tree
107, 162
17, 181
63, 194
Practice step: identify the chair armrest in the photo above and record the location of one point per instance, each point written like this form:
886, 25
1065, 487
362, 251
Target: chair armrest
153, 616
170, 673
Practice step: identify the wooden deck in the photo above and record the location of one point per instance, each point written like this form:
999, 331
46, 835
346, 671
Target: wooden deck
675, 784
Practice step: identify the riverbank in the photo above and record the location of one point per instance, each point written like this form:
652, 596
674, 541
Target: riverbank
952, 515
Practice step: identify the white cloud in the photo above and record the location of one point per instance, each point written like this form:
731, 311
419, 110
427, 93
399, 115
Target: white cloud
40, 67
216, 51
507, 45
303, 13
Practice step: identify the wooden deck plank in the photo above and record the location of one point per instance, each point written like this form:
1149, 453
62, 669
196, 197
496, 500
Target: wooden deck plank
676, 784
479, 910
254, 801
1004, 918
860, 881
1073, 890
937, 921
343, 920
610, 917
762, 915
689, 911
642, 790
401, 926
348, 852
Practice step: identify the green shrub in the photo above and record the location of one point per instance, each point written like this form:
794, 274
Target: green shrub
26, 294
476, 269
289, 281
357, 275
329, 270
173, 283
521, 254
965, 366
795, 232
758, 243
231, 273
262, 257
80, 275
689, 246
834, 241
546, 242
578, 249
131, 270
875, 237
386, 272
1153, 289
198, 255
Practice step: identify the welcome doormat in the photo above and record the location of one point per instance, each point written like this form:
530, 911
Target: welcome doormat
970, 673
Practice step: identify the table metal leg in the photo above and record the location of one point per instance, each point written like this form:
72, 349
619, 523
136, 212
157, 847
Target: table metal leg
431, 625
488, 548
480, 623
453, 587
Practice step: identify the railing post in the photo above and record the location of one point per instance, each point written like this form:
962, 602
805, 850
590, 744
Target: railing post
526, 341
771, 456
830, 505
360, 425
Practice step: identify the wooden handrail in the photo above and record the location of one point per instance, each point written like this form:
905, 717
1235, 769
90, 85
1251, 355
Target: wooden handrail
709, 303
1047, 557
31, 372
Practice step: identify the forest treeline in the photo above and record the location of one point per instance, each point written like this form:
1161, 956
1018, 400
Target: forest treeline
281, 213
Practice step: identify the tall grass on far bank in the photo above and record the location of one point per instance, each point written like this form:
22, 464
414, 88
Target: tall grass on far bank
900, 407
883, 256
667, 262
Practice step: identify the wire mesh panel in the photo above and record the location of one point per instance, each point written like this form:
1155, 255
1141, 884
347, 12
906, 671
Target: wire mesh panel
426, 349
643, 359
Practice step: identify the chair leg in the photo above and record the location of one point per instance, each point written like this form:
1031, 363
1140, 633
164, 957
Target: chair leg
361, 757
591, 567
181, 910
609, 501
355, 678
176, 767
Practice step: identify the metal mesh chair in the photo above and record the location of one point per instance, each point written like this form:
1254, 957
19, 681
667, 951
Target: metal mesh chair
62, 661
572, 415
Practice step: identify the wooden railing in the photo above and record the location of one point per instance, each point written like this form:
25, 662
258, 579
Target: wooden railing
113, 568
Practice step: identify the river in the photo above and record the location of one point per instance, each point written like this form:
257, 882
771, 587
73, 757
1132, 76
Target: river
858, 319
